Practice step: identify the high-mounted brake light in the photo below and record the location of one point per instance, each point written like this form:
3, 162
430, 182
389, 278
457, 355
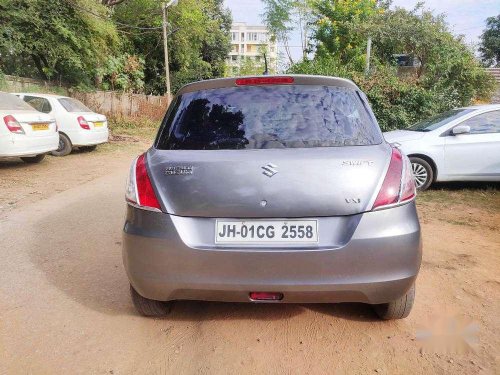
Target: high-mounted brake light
398, 185
139, 188
264, 81
83, 123
13, 125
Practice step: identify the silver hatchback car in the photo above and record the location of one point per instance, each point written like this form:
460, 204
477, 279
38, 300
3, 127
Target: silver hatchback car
272, 189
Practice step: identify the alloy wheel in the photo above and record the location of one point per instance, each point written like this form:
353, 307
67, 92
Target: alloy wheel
420, 174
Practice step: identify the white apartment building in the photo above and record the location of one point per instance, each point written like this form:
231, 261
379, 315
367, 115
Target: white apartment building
249, 42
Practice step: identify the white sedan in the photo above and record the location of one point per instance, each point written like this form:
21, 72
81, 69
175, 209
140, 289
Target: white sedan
459, 145
78, 125
25, 132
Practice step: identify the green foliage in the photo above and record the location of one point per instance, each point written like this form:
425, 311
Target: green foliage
278, 18
198, 40
284, 16
447, 64
54, 39
448, 76
337, 29
3, 83
125, 72
399, 102
490, 42
396, 101
113, 44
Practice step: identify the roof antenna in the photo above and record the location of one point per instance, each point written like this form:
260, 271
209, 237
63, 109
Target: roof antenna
266, 72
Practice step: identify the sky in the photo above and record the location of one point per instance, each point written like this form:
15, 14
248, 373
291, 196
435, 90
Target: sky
465, 17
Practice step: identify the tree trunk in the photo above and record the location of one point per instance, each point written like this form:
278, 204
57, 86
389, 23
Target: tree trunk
39, 66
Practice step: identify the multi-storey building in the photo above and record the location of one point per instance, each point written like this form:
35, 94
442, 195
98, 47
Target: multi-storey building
249, 43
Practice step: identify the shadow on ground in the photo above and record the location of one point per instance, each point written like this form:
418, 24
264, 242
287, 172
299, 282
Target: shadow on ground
462, 185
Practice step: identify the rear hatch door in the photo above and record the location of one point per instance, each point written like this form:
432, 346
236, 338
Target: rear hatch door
269, 183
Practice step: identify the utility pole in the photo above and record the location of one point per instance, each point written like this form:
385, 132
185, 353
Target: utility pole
165, 46
368, 55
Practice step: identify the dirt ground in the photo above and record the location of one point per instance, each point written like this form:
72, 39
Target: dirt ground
65, 307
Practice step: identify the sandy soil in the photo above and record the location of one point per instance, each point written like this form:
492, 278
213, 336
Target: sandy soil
65, 308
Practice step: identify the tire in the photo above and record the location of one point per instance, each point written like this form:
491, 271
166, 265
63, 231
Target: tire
398, 309
423, 172
149, 307
33, 159
65, 146
89, 148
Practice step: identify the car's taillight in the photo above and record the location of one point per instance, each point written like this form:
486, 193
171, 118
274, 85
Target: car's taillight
13, 125
83, 123
398, 185
408, 186
264, 81
139, 190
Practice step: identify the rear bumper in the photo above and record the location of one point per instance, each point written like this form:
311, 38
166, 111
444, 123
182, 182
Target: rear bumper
378, 264
89, 137
23, 145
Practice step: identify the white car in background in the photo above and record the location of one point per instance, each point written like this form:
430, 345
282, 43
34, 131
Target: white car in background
25, 132
78, 125
459, 145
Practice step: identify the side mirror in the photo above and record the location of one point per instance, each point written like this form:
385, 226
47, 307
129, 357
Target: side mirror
461, 129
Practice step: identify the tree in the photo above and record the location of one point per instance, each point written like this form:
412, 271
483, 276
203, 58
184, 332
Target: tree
337, 29
446, 62
124, 72
55, 39
490, 42
282, 17
111, 3
448, 76
199, 39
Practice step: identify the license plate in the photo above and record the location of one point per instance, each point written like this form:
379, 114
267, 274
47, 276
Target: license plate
266, 231
37, 127
98, 124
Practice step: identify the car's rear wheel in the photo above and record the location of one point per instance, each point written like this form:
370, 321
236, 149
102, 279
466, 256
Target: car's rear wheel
149, 307
65, 146
33, 159
423, 173
398, 309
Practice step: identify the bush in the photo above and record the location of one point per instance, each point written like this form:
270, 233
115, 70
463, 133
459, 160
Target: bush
398, 101
3, 83
447, 74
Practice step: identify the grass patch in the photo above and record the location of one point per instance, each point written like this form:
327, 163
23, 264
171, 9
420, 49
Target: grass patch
142, 129
477, 195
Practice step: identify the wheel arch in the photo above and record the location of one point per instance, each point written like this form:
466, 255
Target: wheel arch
429, 160
67, 136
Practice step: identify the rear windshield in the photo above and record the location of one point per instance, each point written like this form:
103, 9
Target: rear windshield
73, 105
258, 117
12, 102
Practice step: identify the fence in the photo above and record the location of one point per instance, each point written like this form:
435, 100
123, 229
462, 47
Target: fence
116, 104
22, 84
109, 103
495, 72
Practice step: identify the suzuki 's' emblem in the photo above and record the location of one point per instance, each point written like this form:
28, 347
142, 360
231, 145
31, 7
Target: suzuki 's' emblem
269, 170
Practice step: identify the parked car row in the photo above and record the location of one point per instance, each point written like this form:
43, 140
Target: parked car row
36, 124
